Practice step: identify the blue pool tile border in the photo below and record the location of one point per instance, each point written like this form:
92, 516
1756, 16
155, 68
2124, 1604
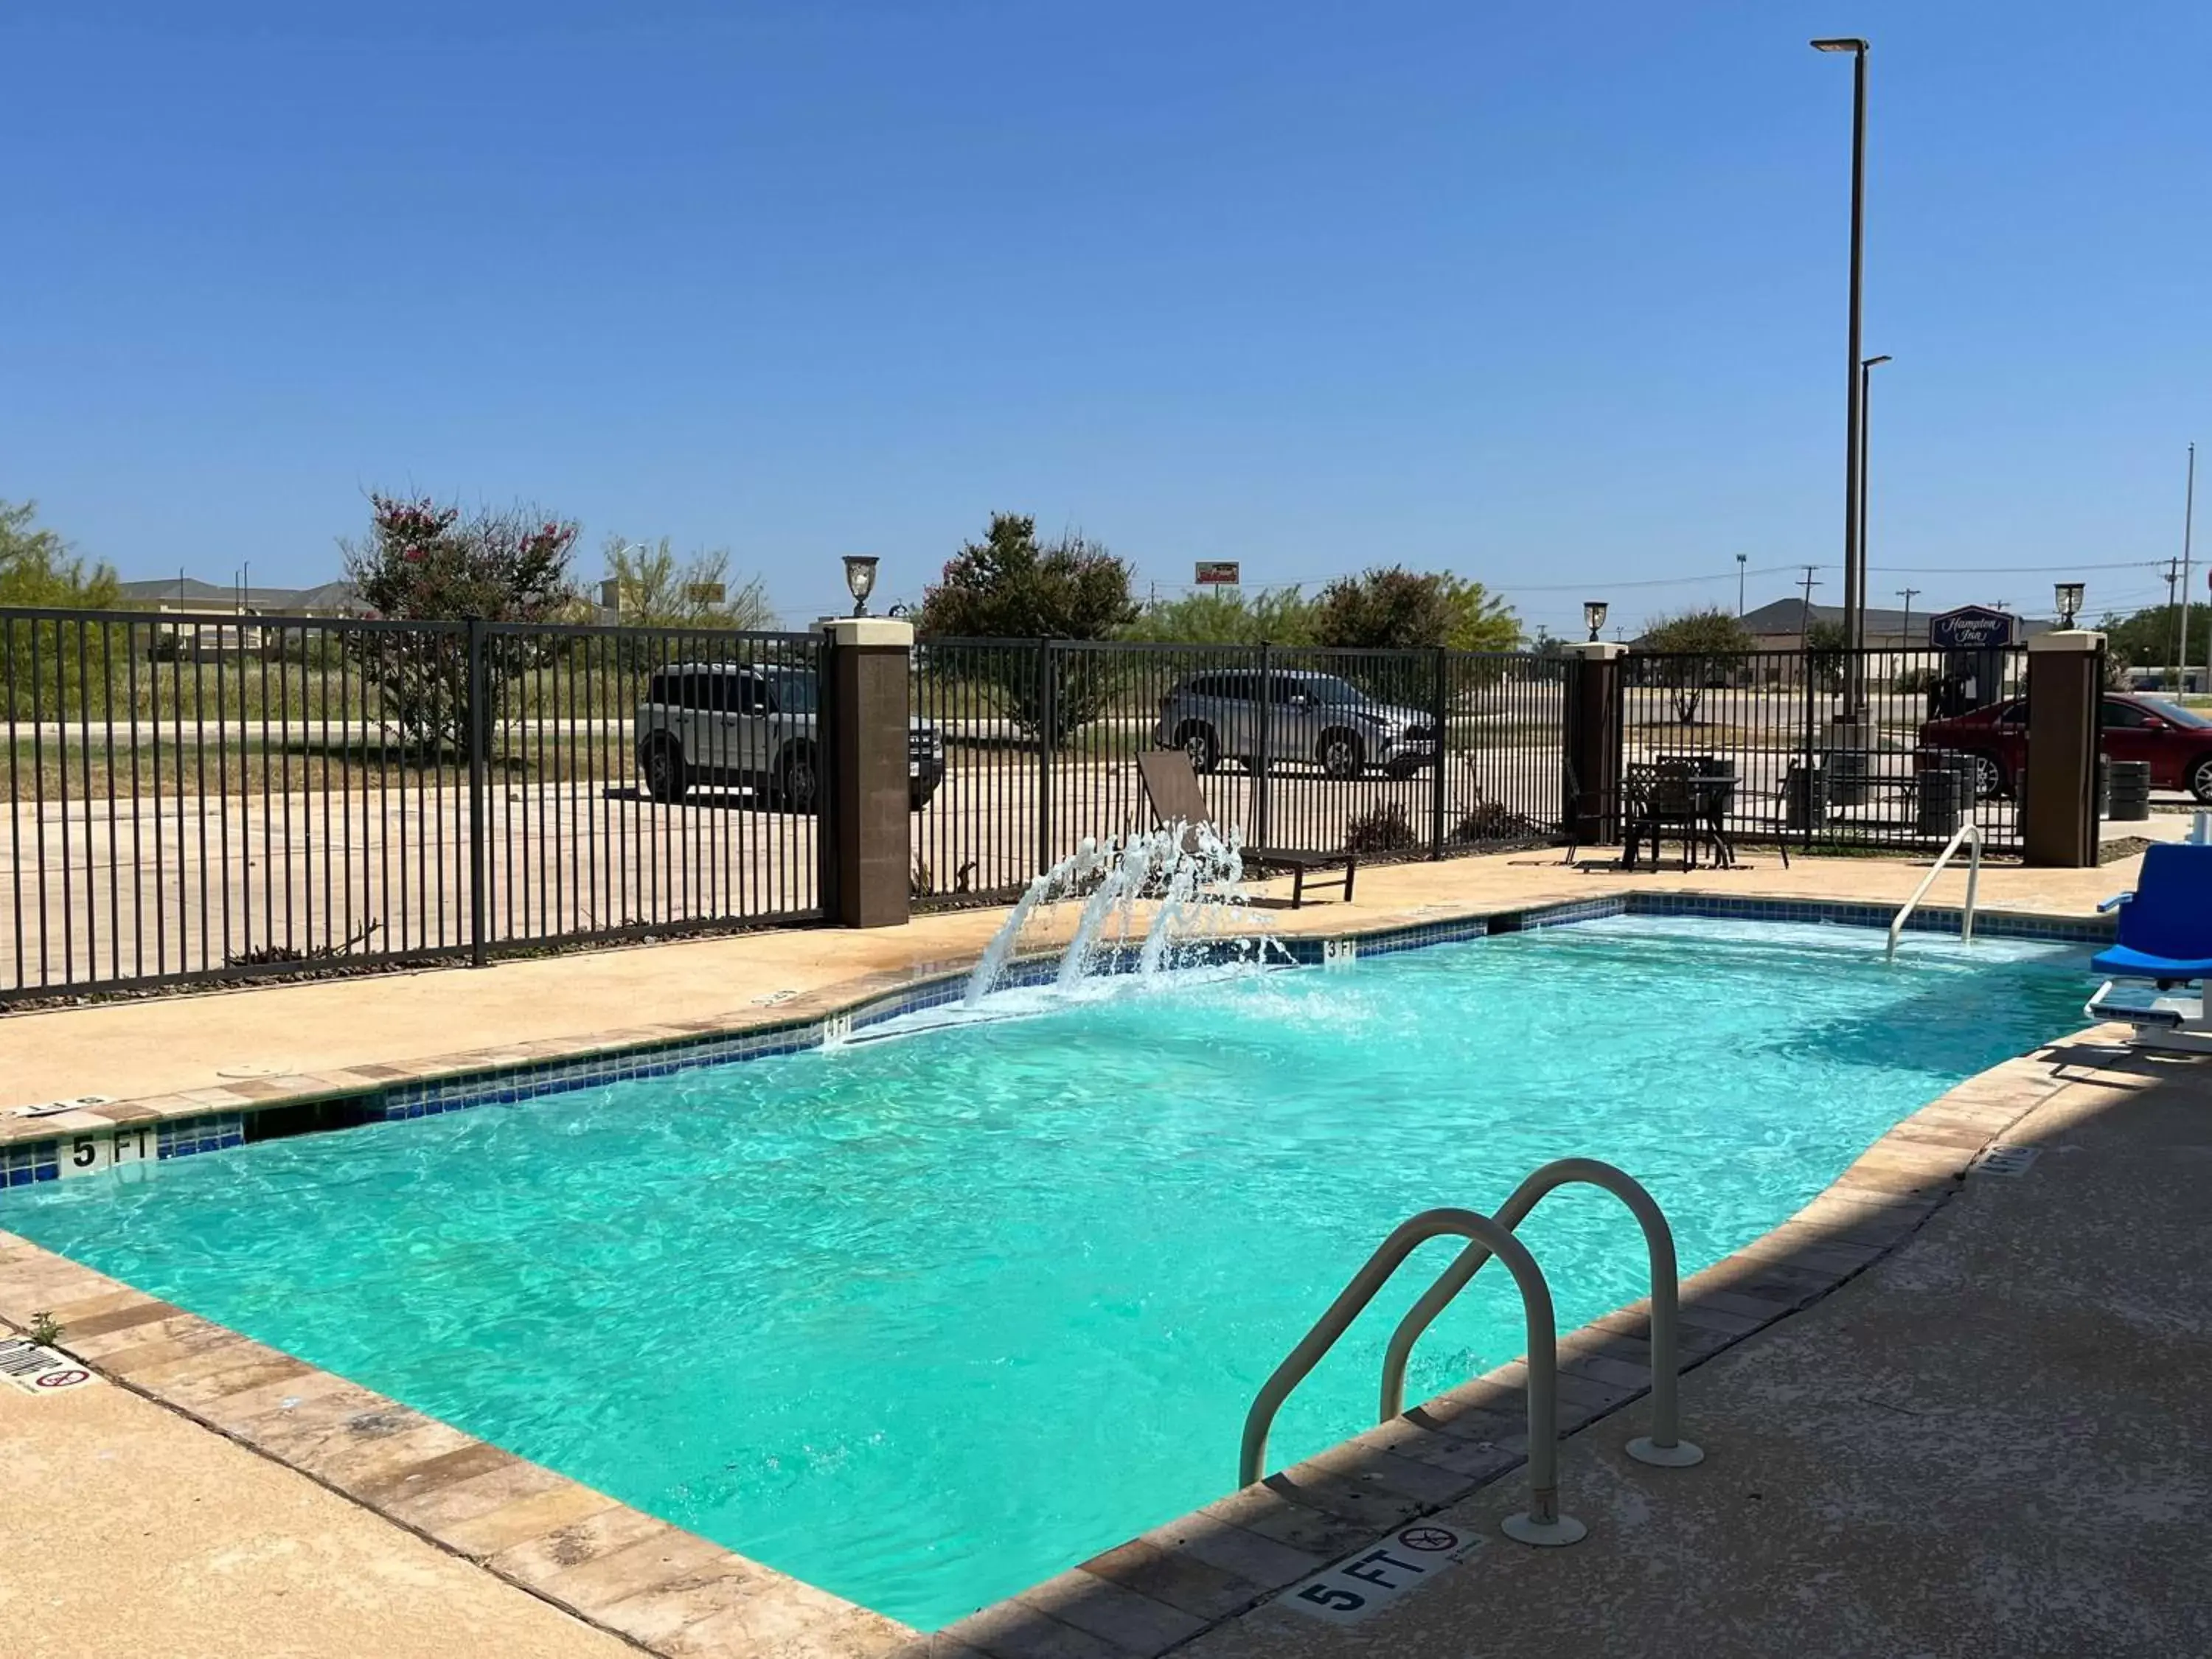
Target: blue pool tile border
24, 1164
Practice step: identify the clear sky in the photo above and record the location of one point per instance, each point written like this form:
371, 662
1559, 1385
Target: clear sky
1550, 295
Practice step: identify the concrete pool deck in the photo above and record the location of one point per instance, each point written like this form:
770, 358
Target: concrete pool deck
1165, 1591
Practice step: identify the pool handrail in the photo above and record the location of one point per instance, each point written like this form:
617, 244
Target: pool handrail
1664, 1446
1970, 832
1542, 1524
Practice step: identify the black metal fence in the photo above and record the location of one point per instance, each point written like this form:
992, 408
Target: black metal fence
1837, 749
210, 796
207, 797
1395, 754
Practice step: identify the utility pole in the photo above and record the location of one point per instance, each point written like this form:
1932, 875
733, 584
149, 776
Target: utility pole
1906, 594
1741, 559
2187, 523
1805, 626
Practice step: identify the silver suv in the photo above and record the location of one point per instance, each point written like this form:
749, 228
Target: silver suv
1310, 717
739, 725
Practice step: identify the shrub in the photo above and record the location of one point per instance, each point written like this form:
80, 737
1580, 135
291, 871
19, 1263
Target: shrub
1385, 830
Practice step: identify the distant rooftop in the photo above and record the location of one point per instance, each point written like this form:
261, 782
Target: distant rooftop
188, 594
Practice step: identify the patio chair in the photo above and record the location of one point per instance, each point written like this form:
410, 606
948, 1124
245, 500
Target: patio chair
1662, 801
1172, 788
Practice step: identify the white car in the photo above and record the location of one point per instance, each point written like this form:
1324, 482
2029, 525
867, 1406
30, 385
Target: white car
746, 727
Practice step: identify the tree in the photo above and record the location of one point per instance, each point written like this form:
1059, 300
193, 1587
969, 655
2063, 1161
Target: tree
1395, 609
1826, 642
37, 567
1010, 585
2148, 638
422, 562
46, 662
1690, 652
1480, 621
655, 589
1279, 616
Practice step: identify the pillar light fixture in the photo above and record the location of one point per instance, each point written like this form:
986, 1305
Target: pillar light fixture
2070, 602
1593, 616
860, 580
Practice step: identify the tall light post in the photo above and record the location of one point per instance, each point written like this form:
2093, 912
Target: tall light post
1741, 559
1854, 577
2188, 527
1867, 367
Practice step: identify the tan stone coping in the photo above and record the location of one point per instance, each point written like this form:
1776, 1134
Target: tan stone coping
299, 1088
679, 1594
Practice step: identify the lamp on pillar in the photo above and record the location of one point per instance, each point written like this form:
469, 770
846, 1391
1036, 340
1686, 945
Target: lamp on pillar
1593, 616
860, 580
2070, 602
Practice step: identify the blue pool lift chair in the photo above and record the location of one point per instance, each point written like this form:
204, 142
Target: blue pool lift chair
2165, 939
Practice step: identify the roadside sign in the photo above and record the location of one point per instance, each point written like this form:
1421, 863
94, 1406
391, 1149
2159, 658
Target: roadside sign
1218, 573
1972, 628
704, 593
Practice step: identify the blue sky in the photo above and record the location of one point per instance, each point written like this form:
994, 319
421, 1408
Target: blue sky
1550, 296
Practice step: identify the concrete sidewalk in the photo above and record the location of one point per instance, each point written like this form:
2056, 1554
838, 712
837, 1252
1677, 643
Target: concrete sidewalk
131, 1534
1994, 1444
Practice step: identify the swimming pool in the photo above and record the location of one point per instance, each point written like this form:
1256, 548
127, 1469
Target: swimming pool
926, 1321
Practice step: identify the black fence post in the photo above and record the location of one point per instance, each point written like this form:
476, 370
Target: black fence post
1440, 700
1266, 743
477, 717
1048, 701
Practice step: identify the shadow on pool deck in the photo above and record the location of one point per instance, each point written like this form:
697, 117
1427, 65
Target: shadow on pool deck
1995, 1440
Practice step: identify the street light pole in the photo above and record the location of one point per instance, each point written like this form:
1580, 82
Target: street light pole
1854, 576
1866, 469
1741, 559
2188, 526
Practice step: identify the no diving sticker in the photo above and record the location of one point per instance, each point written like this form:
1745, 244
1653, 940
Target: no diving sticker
35, 1370
1364, 1583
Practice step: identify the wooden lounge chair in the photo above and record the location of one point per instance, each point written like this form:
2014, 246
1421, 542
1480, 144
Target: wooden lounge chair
1173, 789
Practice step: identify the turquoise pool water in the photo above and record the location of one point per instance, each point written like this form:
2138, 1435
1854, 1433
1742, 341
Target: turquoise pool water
925, 1320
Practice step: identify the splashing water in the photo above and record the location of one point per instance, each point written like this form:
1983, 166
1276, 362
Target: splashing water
1193, 878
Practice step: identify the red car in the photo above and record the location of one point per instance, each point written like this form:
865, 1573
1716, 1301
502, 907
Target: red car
2176, 741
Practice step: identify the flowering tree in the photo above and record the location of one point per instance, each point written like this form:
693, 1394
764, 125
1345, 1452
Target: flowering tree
1010, 585
423, 562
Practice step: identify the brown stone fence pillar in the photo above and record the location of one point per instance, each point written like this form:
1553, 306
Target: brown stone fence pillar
2059, 785
865, 853
1590, 809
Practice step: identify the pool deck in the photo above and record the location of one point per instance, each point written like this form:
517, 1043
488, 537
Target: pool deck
1937, 1469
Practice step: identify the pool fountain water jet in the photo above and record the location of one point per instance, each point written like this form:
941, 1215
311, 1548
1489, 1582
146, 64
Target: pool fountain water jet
1194, 877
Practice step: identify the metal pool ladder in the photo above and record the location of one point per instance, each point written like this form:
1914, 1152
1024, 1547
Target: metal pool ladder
1972, 834
1541, 1523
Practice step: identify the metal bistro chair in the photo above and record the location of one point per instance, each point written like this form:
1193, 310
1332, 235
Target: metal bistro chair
1662, 800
